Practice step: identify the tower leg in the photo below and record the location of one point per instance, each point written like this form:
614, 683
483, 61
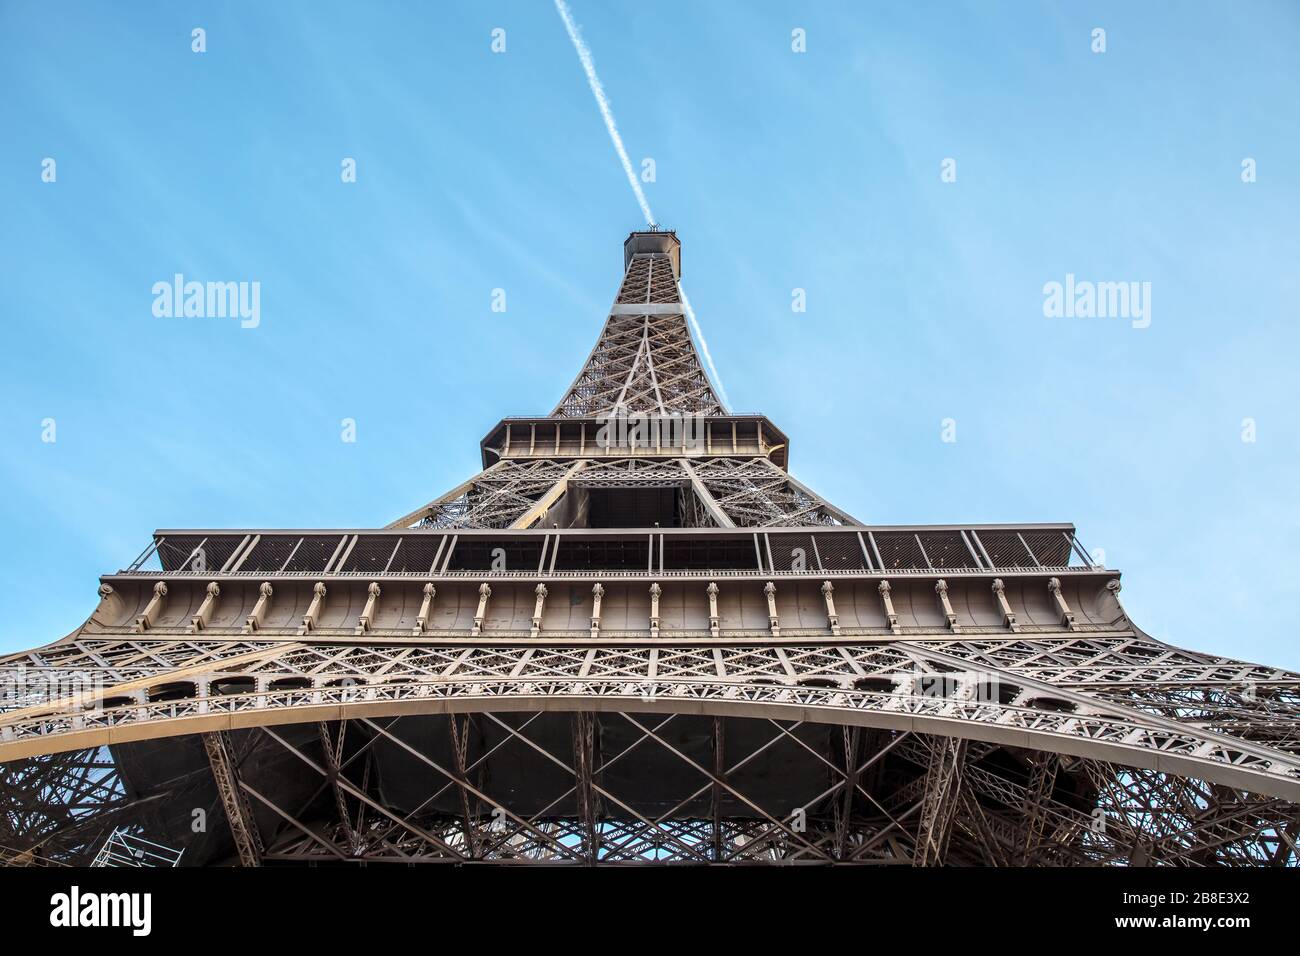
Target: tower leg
942, 796
238, 813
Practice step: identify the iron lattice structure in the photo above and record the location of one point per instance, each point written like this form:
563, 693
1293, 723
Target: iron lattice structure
635, 638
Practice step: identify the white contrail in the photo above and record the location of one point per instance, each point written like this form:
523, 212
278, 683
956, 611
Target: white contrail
598, 91
704, 346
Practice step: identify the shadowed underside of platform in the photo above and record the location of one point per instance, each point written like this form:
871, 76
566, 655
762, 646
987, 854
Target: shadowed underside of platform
631, 787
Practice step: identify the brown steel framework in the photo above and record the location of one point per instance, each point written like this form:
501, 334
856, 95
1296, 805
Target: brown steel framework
638, 644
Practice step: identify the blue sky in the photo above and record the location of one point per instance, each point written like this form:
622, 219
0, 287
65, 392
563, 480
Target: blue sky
779, 170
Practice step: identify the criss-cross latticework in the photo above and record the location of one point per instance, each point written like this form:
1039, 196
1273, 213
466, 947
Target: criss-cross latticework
644, 360
633, 639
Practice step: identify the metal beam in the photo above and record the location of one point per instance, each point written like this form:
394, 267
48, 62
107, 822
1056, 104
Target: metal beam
942, 797
239, 815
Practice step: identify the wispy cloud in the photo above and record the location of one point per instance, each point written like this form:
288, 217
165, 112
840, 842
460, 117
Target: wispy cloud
602, 101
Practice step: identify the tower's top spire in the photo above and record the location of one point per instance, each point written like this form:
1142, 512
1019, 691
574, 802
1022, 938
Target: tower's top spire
655, 241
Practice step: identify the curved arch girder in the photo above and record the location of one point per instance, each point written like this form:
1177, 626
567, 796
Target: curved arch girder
1094, 736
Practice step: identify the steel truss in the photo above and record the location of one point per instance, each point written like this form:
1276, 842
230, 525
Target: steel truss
1248, 717
644, 360
890, 797
993, 705
59, 808
750, 493
944, 706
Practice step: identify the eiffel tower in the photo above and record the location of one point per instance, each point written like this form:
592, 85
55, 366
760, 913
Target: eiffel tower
635, 638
